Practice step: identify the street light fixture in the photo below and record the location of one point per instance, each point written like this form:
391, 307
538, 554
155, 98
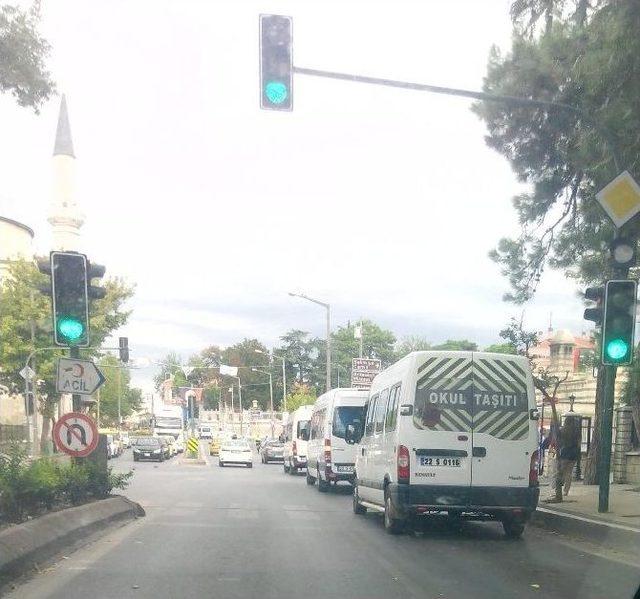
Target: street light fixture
327, 307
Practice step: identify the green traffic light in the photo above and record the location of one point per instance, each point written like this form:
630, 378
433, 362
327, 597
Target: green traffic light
617, 349
276, 92
70, 328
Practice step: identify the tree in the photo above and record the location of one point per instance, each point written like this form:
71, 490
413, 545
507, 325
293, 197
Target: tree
117, 384
301, 395
586, 59
23, 52
25, 324
456, 345
297, 349
171, 367
255, 385
411, 343
501, 348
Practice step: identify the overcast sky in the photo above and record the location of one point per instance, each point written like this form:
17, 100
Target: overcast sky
381, 201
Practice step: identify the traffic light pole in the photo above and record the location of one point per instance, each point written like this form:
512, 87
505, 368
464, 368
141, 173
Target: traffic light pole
74, 352
606, 433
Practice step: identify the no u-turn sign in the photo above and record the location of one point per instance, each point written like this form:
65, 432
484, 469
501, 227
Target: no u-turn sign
75, 434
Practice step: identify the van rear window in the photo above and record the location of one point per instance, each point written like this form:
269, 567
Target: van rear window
344, 415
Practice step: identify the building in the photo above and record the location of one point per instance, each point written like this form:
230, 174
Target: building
16, 242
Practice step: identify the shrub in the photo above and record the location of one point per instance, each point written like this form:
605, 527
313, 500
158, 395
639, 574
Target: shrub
74, 481
40, 484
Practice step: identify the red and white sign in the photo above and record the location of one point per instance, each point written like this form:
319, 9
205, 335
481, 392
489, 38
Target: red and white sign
75, 434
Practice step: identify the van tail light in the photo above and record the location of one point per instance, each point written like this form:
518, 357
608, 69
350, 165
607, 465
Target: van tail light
533, 470
327, 456
294, 449
404, 464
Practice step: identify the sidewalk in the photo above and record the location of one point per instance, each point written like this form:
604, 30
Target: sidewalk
624, 503
578, 514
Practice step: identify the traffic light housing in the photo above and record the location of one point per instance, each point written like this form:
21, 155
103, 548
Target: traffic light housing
123, 344
276, 63
595, 294
70, 294
619, 320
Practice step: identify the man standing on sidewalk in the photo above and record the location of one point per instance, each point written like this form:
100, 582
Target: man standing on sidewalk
568, 449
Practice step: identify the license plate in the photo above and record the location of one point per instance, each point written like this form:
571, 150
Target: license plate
344, 468
147, 455
440, 462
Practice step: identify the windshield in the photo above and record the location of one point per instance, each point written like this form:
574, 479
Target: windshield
147, 442
344, 415
168, 422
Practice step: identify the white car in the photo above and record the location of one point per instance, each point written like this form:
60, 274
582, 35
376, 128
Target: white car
179, 444
205, 431
330, 459
235, 451
451, 433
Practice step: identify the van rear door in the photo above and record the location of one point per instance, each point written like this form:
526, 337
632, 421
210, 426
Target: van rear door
440, 438
503, 432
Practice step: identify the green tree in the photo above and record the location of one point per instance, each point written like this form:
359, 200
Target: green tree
117, 384
23, 52
501, 348
25, 324
456, 345
301, 395
171, 367
587, 59
255, 385
411, 343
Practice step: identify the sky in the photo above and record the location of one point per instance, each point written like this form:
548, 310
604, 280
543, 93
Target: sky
382, 202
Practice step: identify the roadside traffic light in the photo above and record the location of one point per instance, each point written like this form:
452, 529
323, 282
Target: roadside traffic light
69, 290
276, 65
595, 294
619, 322
123, 343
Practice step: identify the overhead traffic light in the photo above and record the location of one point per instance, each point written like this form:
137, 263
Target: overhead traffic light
595, 294
276, 64
619, 320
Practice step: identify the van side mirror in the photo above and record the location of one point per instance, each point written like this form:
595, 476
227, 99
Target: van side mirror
406, 410
352, 434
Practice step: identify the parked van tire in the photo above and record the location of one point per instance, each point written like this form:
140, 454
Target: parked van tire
323, 485
512, 528
392, 524
310, 479
358, 508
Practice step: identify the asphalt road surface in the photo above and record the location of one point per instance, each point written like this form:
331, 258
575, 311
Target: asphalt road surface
238, 533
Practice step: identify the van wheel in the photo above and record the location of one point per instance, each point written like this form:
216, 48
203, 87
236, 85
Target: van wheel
392, 524
512, 528
310, 480
323, 485
358, 508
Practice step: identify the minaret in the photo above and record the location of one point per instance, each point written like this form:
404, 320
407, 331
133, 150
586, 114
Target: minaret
64, 216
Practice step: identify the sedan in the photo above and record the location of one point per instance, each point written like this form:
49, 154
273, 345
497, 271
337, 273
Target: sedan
272, 451
149, 448
235, 451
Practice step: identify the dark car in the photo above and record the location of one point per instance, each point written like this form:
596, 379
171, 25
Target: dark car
272, 451
149, 448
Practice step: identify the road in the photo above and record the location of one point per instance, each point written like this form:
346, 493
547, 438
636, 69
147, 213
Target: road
240, 533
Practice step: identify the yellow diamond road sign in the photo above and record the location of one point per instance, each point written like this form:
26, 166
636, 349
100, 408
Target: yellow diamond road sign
620, 199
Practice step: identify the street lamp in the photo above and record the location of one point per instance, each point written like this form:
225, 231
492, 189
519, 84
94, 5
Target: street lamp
270, 393
284, 375
328, 309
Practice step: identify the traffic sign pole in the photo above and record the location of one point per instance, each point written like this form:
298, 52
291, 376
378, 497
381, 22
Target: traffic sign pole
74, 352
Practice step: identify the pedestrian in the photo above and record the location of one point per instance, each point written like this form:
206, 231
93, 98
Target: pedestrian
569, 449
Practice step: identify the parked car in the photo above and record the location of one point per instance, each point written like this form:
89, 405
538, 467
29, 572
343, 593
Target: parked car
205, 431
330, 459
272, 450
453, 433
112, 448
149, 448
125, 440
179, 444
235, 451
295, 437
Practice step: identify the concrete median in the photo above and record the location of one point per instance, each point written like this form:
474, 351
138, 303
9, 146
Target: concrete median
24, 546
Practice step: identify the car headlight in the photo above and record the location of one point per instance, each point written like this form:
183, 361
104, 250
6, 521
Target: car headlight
157, 450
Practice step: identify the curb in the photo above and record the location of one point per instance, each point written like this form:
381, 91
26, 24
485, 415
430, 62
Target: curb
588, 529
24, 546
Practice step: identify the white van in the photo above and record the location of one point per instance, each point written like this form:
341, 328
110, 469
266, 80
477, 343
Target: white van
329, 457
295, 437
451, 433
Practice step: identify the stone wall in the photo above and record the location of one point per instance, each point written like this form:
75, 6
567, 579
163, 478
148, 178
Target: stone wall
632, 468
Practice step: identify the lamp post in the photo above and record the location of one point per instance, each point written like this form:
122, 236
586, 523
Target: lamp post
327, 307
284, 376
270, 394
